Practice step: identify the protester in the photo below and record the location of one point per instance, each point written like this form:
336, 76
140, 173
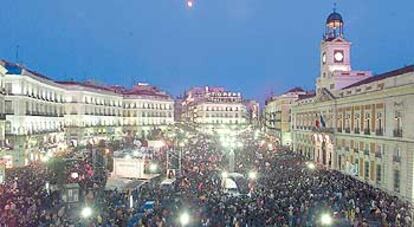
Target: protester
285, 193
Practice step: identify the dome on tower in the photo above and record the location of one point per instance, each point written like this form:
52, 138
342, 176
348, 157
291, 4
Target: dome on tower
334, 17
334, 26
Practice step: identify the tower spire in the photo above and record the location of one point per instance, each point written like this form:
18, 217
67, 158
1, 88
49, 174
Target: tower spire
334, 7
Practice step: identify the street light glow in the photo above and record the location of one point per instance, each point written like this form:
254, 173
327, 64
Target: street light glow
86, 212
45, 158
252, 175
153, 167
326, 219
224, 174
311, 165
184, 219
74, 175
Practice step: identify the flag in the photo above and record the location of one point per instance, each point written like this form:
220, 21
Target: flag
322, 121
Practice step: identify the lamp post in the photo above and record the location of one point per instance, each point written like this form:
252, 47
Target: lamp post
180, 155
231, 160
230, 143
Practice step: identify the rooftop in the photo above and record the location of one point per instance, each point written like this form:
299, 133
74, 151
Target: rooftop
309, 94
397, 72
295, 89
18, 69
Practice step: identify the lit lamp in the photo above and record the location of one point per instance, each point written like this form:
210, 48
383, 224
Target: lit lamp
86, 212
184, 219
74, 175
153, 167
310, 165
252, 175
326, 219
45, 158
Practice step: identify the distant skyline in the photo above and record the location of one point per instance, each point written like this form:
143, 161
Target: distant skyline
252, 46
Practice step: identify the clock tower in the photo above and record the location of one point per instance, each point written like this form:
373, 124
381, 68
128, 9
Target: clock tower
335, 56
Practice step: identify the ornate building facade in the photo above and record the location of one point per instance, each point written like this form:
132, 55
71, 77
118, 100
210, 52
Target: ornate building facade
278, 115
357, 123
215, 107
40, 116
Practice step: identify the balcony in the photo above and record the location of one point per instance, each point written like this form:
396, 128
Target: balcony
323, 130
366, 152
339, 130
378, 154
347, 130
367, 131
397, 133
356, 131
396, 158
379, 132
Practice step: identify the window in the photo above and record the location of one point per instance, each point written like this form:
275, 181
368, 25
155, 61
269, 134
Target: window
368, 120
397, 180
397, 155
398, 124
379, 150
379, 174
9, 88
9, 107
379, 121
366, 166
357, 123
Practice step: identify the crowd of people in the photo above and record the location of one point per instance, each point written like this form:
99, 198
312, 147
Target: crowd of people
32, 195
285, 193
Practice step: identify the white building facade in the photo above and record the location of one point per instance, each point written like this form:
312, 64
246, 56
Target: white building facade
214, 107
40, 116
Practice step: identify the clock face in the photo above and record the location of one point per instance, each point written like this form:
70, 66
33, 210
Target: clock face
324, 58
339, 56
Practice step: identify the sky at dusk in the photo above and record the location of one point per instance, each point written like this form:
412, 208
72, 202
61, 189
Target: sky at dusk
252, 46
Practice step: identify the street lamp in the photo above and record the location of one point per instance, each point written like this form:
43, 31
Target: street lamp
74, 175
45, 158
326, 219
184, 219
86, 212
311, 165
153, 167
252, 175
